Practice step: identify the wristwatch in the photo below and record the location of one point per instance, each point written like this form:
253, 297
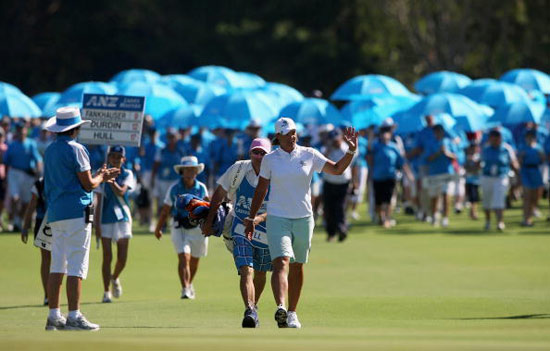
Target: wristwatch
351, 152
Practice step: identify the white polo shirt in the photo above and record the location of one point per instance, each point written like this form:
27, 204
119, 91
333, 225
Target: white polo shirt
290, 178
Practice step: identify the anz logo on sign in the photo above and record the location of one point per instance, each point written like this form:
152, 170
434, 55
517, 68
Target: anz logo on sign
102, 101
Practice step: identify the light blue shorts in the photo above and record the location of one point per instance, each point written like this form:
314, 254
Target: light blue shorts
288, 237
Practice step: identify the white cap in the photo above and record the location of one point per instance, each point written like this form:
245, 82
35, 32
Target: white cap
65, 118
284, 125
388, 122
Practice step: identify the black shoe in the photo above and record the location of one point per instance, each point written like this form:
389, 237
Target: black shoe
250, 319
342, 237
280, 317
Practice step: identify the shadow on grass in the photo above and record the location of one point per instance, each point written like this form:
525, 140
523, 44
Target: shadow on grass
523, 316
42, 306
144, 327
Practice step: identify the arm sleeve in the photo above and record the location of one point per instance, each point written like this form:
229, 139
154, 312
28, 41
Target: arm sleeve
130, 180
167, 197
225, 180
82, 159
265, 168
319, 160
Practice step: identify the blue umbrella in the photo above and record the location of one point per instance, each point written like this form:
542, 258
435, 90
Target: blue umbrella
453, 104
284, 94
159, 98
6, 88
373, 116
516, 113
219, 75
442, 81
192, 90
252, 80
476, 89
235, 110
502, 93
18, 105
312, 111
407, 124
74, 93
135, 75
365, 86
46, 100
528, 79
180, 117
397, 102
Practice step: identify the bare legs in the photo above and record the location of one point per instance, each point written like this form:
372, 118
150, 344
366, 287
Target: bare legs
122, 258
287, 276
74, 289
187, 268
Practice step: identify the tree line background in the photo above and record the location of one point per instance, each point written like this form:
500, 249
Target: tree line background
309, 44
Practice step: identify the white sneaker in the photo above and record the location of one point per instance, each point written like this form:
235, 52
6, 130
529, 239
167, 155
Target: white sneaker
116, 287
292, 320
445, 222
501, 226
56, 323
80, 323
428, 219
107, 298
355, 215
192, 291
186, 293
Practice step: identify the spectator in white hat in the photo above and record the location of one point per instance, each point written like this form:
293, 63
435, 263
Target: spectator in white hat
188, 241
290, 223
68, 185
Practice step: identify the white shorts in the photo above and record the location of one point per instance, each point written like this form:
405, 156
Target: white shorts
457, 187
189, 241
71, 247
437, 184
494, 190
161, 188
116, 231
20, 185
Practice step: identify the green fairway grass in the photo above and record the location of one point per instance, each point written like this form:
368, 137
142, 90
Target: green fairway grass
412, 287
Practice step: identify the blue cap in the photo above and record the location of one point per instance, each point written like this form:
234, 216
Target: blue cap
117, 148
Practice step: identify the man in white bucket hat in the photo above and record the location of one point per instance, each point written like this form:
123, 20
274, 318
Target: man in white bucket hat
68, 185
188, 242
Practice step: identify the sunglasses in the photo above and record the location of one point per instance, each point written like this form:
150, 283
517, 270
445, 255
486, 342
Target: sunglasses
258, 152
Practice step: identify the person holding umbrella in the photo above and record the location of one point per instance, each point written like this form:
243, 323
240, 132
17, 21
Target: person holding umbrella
288, 170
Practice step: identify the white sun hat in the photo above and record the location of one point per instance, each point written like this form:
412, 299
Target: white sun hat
189, 162
65, 118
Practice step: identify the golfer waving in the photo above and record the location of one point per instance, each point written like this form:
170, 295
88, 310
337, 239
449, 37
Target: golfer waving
290, 222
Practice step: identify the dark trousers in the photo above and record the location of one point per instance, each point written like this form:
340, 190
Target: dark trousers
334, 208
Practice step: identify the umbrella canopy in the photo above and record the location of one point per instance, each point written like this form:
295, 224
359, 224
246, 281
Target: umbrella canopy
502, 93
528, 79
476, 89
46, 100
74, 93
312, 111
365, 86
18, 105
442, 81
181, 117
159, 98
516, 113
453, 104
192, 90
407, 124
284, 94
6, 88
235, 110
135, 75
252, 80
219, 75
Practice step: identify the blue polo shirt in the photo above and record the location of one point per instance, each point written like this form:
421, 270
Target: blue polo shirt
22, 155
148, 159
441, 164
386, 161
117, 208
223, 155
496, 160
178, 188
65, 196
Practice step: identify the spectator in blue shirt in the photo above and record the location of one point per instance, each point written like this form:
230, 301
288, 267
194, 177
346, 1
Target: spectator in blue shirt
147, 153
531, 157
439, 160
224, 152
113, 224
195, 148
385, 159
24, 164
497, 158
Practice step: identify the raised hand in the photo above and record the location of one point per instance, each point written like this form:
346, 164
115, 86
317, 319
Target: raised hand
350, 137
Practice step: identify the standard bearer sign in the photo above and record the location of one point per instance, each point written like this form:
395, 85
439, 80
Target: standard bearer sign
116, 119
